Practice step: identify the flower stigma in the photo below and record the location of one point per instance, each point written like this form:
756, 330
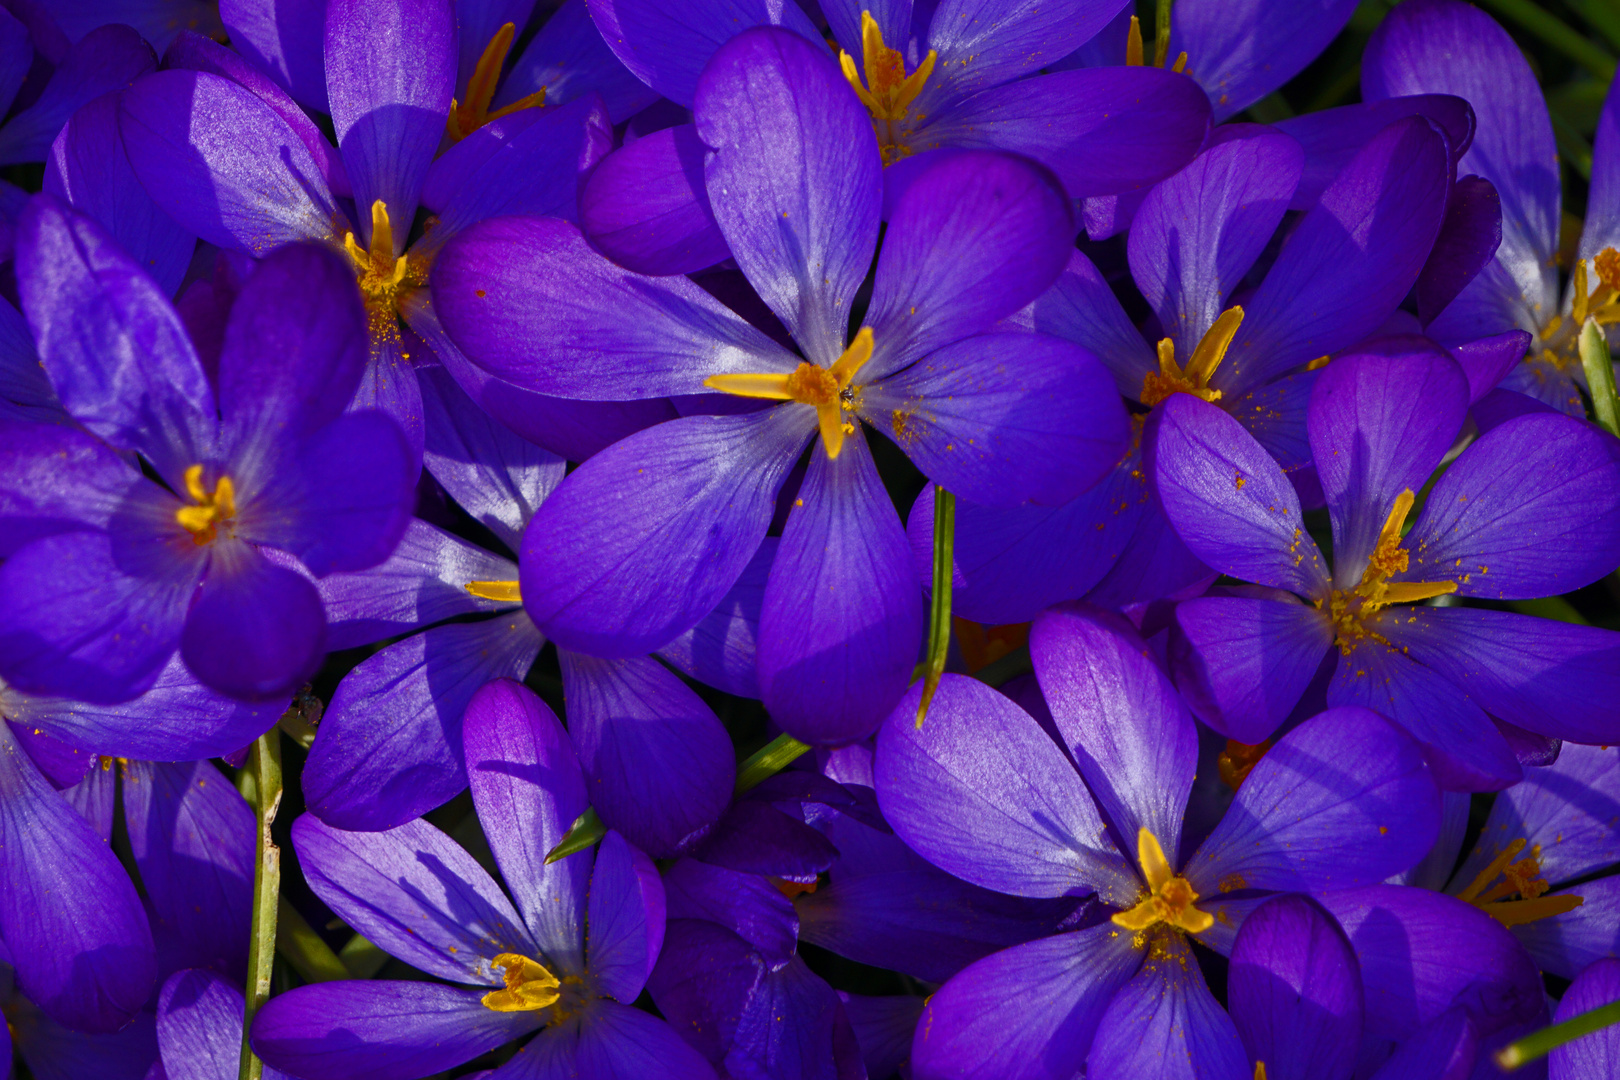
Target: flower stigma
385, 280
889, 91
1169, 898
1350, 608
1134, 53
202, 521
828, 389
501, 591
1520, 878
529, 986
1201, 366
1559, 337
468, 117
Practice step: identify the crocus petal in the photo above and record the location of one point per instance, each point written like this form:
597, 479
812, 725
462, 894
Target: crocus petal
1119, 718
747, 904
1246, 660
255, 631
283, 38
1239, 53
1379, 425
1597, 1054
55, 1052
528, 789
199, 1026
16, 56
114, 349
72, 923
1345, 799
1469, 237
1564, 944
658, 764
704, 489
1155, 565
1528, 510
1082, 308
389, 747
1443, 1049
615, 1042
1352, 258
338, 1030
646, 206
1331, 137
666, 45
1421, 952
755, 837
1025, 1013
983, 793
106, 59
626, 918
89, 170
414, 893
223, 164
975, 238
605, 334
793, 1028
1198, 233
794, 179
55, 478
569, 58
1294, 992
1165, 1024
842, 615
1002, 419
390, 74
1487, 361
1229, 501
66, 767
983, 44
721, 649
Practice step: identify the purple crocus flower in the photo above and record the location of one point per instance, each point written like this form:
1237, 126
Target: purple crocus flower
568, 967
646, 537
1530, 509
109, 570
106, 59
199, 1028
981, 791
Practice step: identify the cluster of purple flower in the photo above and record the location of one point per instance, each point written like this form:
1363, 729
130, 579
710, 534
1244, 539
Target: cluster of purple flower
344, 356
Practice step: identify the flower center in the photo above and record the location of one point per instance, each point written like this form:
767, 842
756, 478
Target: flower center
1521, 878
464, 119
529, 986
505, 592
1238, 760
889, 91
211, 511
385, 280
1350, 608
1206, 357
1169, 897
828, 389
1134, 53
1560, 337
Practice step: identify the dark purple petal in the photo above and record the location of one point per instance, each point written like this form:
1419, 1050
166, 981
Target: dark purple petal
617, 1042
721, 649
339, 1030
1229, 501
223, 164
413, 892
757, 838
842, 618
199, 1026
983, 793
1002, 419
1564, 944
283, 38
614, 582
1486, 361
1165, 1025
1119, 718
1082, 308
1597, 1054
1467, 240
255, 630
1331, 137
528, 789
975, 238
982, 44
1444, 1049
66, 767
1241, 52
1294, 992
71, 921
16, 56
746, 904
884, 1027
390, 75
106, 59
1197, 234
1025, 1013
626, 917
646, 206
1243, 662
1528, 510
55, 478
54, 1052
1155, 565
569, 58
794, 1028
658, 765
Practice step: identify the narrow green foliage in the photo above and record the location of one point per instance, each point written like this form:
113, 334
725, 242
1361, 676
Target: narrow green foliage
1161, 33
362, 958
265, 767
1539, 1044
939, 619
1537, 20
1599, 375
303, 948
769, 760
586, 830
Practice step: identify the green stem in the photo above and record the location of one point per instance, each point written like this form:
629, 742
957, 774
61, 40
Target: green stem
939, 620
1549, 28
265, 765
1161, 33
302, 946
767, 761
1541, 1043
1599, 375
362, 958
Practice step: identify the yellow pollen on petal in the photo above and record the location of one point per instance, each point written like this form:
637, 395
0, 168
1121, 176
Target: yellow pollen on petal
829, 389
1350, 608
1201, 366
466, 118
385, 279
889, 91
502, 591
529, 986
1521, 879
212, 509
1558, 342
1169, 897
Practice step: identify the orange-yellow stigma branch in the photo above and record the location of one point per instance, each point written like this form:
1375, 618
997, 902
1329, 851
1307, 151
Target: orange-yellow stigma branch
202, 521
529, 986
1135, 54
1520, 878
828, 389
466, 118
379, 269
1349, 607
1201, 366
1169, 898
889, 91
505, 592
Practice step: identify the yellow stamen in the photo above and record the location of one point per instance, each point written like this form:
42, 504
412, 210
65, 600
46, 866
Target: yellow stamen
1580, 297
889, 91
1559, 339
464, 119
505, 592
1238, 760
1201, 366
385, 280
1350, 608
202, 521
1520, 878
1136, 55
1259, 1066
828, 389
1133, 44
1169, 898
529, 986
